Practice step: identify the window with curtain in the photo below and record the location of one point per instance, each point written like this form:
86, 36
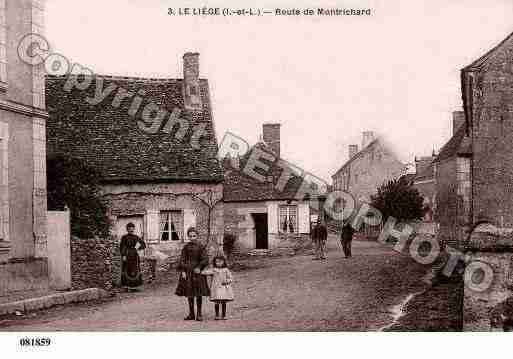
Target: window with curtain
288, 219
171, 226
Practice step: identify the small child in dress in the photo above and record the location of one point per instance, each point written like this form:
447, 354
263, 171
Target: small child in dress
221, 290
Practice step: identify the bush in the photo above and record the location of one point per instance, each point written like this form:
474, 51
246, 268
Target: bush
229, 240
399, 199
74, 185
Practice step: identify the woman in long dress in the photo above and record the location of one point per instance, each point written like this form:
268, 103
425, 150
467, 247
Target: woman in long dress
191, 283
131, 276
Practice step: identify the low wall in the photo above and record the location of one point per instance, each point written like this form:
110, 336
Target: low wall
497, 252
22, 275
97, 262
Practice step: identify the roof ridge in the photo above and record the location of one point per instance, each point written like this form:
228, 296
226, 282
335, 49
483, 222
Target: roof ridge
489, 54
118, 77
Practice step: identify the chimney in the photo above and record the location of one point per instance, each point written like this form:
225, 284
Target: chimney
192, 98
458, 119
422, 163
353, 150
368, 137
271, 136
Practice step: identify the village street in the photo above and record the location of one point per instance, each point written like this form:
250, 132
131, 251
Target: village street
281, 293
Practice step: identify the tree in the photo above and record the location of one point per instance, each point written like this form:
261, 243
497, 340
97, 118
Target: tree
399, 199
210, 199
74, 185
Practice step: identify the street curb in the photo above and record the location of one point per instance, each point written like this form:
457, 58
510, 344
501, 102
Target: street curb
48, 301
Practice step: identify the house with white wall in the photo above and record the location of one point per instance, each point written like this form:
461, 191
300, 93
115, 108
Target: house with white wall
152, 141
261, 212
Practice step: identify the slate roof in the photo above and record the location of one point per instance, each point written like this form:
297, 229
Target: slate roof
108, 139
242, 187
459, 144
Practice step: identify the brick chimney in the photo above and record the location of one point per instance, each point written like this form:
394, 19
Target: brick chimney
458, 119
368, 137
192, 98
271, 136
353, 150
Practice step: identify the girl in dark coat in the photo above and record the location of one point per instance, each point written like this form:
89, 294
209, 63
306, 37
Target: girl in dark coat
192, 284
131, 276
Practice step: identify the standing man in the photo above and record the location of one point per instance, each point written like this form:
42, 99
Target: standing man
319, 238
346, 238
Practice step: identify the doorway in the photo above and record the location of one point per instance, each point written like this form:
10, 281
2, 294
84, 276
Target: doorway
261, 234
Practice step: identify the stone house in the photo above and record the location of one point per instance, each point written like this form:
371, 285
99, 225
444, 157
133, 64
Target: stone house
452, 183
261, 213
485, 178
367, 169
22, 152
156, 152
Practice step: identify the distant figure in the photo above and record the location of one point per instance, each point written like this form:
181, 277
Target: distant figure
191, 283
346, 238
221, 291
131, 276
319, 238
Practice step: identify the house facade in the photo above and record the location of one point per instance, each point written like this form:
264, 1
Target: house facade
262, 212
367, 169
453, 185
153, 142
22, 151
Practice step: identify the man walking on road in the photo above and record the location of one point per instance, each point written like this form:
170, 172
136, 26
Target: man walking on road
319, 238
346, 238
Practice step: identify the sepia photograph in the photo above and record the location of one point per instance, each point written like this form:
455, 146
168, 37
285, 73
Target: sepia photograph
170, 168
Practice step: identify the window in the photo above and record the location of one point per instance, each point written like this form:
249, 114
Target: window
171, 226
288, 219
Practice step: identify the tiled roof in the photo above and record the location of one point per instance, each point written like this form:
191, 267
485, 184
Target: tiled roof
459, 144
239, 186
484, 59
108, 139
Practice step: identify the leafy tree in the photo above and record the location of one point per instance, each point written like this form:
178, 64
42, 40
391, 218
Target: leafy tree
74, 185
399, 199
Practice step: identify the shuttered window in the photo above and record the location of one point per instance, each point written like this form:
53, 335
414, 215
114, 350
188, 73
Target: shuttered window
288, 219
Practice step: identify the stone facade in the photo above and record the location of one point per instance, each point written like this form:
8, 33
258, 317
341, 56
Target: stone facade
147, 201
453, 200
238, 220
22, 148
365, 171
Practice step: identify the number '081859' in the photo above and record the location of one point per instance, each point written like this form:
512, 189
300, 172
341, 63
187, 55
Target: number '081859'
35, 342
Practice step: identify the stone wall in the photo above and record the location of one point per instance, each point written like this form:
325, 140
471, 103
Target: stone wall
92, 263
453, 201
495, 250
492, 137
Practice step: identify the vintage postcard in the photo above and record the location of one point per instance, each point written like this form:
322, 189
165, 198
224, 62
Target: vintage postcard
256, 166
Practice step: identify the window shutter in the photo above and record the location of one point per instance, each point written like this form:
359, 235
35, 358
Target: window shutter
189, 220
152, 225
272, 217
304, 217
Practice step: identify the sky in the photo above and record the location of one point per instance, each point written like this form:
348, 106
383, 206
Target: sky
325, 79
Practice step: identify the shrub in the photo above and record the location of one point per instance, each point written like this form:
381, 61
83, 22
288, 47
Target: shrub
399, 199
74, 185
